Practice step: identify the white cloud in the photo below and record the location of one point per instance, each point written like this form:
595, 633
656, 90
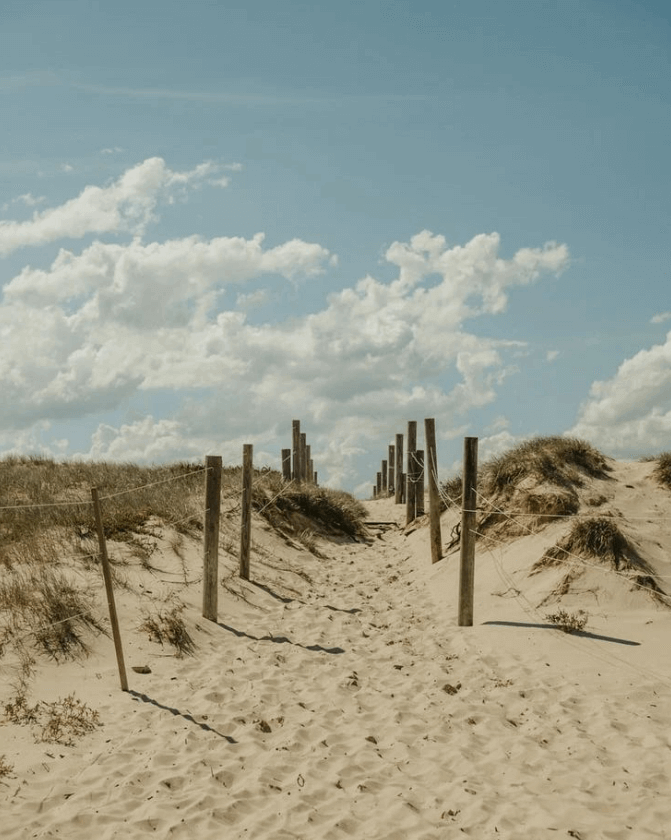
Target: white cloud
551, 355
661, 318
631, 412
111, 150
67, 167
95, 328
126, 205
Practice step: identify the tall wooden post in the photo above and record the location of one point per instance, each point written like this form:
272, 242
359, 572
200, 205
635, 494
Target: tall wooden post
410, 493
384, 478
419, 483
304, 457
246, 522
398, 481
468, 523
296, 443
286, 464
392, 452
308, 464
379, 484
434, 497
109, 589
211, 537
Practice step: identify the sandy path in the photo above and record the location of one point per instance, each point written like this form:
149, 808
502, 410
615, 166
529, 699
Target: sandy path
357, 709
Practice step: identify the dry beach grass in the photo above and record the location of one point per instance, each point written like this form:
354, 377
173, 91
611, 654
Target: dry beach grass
336, 697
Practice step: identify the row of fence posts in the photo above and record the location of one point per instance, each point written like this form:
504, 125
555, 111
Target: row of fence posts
408, 487
213, 475
297, 463
303, 472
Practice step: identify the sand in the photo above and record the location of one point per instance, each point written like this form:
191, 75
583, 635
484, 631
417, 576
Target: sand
337, 698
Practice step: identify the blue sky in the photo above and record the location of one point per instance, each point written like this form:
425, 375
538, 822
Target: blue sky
216, 217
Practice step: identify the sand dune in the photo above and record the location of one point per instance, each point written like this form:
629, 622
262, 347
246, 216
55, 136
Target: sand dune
337, 698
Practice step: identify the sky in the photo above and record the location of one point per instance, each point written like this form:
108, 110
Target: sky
218, 217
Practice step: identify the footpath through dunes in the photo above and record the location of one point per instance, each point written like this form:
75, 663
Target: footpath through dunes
337, 698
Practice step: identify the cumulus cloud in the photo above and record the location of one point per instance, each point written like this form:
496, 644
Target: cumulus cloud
660, 318
551, 355
631, 412
126, 205
86, 334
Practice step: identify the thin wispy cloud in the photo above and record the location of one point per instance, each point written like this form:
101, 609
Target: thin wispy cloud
230, 98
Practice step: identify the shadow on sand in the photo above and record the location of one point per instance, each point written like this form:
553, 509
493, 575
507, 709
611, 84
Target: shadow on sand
146, 699
580, 633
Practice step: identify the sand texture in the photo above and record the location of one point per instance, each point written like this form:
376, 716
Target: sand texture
336, 698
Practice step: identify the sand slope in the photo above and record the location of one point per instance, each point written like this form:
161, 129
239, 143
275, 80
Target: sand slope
337, 698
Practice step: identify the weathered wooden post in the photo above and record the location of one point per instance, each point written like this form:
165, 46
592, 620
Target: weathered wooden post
379, 484
109, 589
296, 443
384, 478
398, 481
392, 452
419, 483
468, 523
308, 463
410, 493
246, 520
434, 496
304, 457
211, 537
286, 464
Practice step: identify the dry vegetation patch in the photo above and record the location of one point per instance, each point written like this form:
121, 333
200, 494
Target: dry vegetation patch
662, 470
539, 480
599, 538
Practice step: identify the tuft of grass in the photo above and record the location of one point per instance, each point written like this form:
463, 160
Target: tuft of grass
41, 603
602, 539
168, 626
57, 722
335, 510
598, 537
662, 470
5, 768
568, 622
558, 461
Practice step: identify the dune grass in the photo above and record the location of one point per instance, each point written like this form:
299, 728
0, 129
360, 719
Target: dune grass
49, 566
662, 470
561, 462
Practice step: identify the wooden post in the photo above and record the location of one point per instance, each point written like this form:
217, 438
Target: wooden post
379, 484
419, 483
398, 481
211, 537
296, 441
374, 492
404, 487
316, 479
384, 478
246, 520
434, 496
392, 452
412, 472
304, 457
286, 464
308, 462
107, 575
468, 523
